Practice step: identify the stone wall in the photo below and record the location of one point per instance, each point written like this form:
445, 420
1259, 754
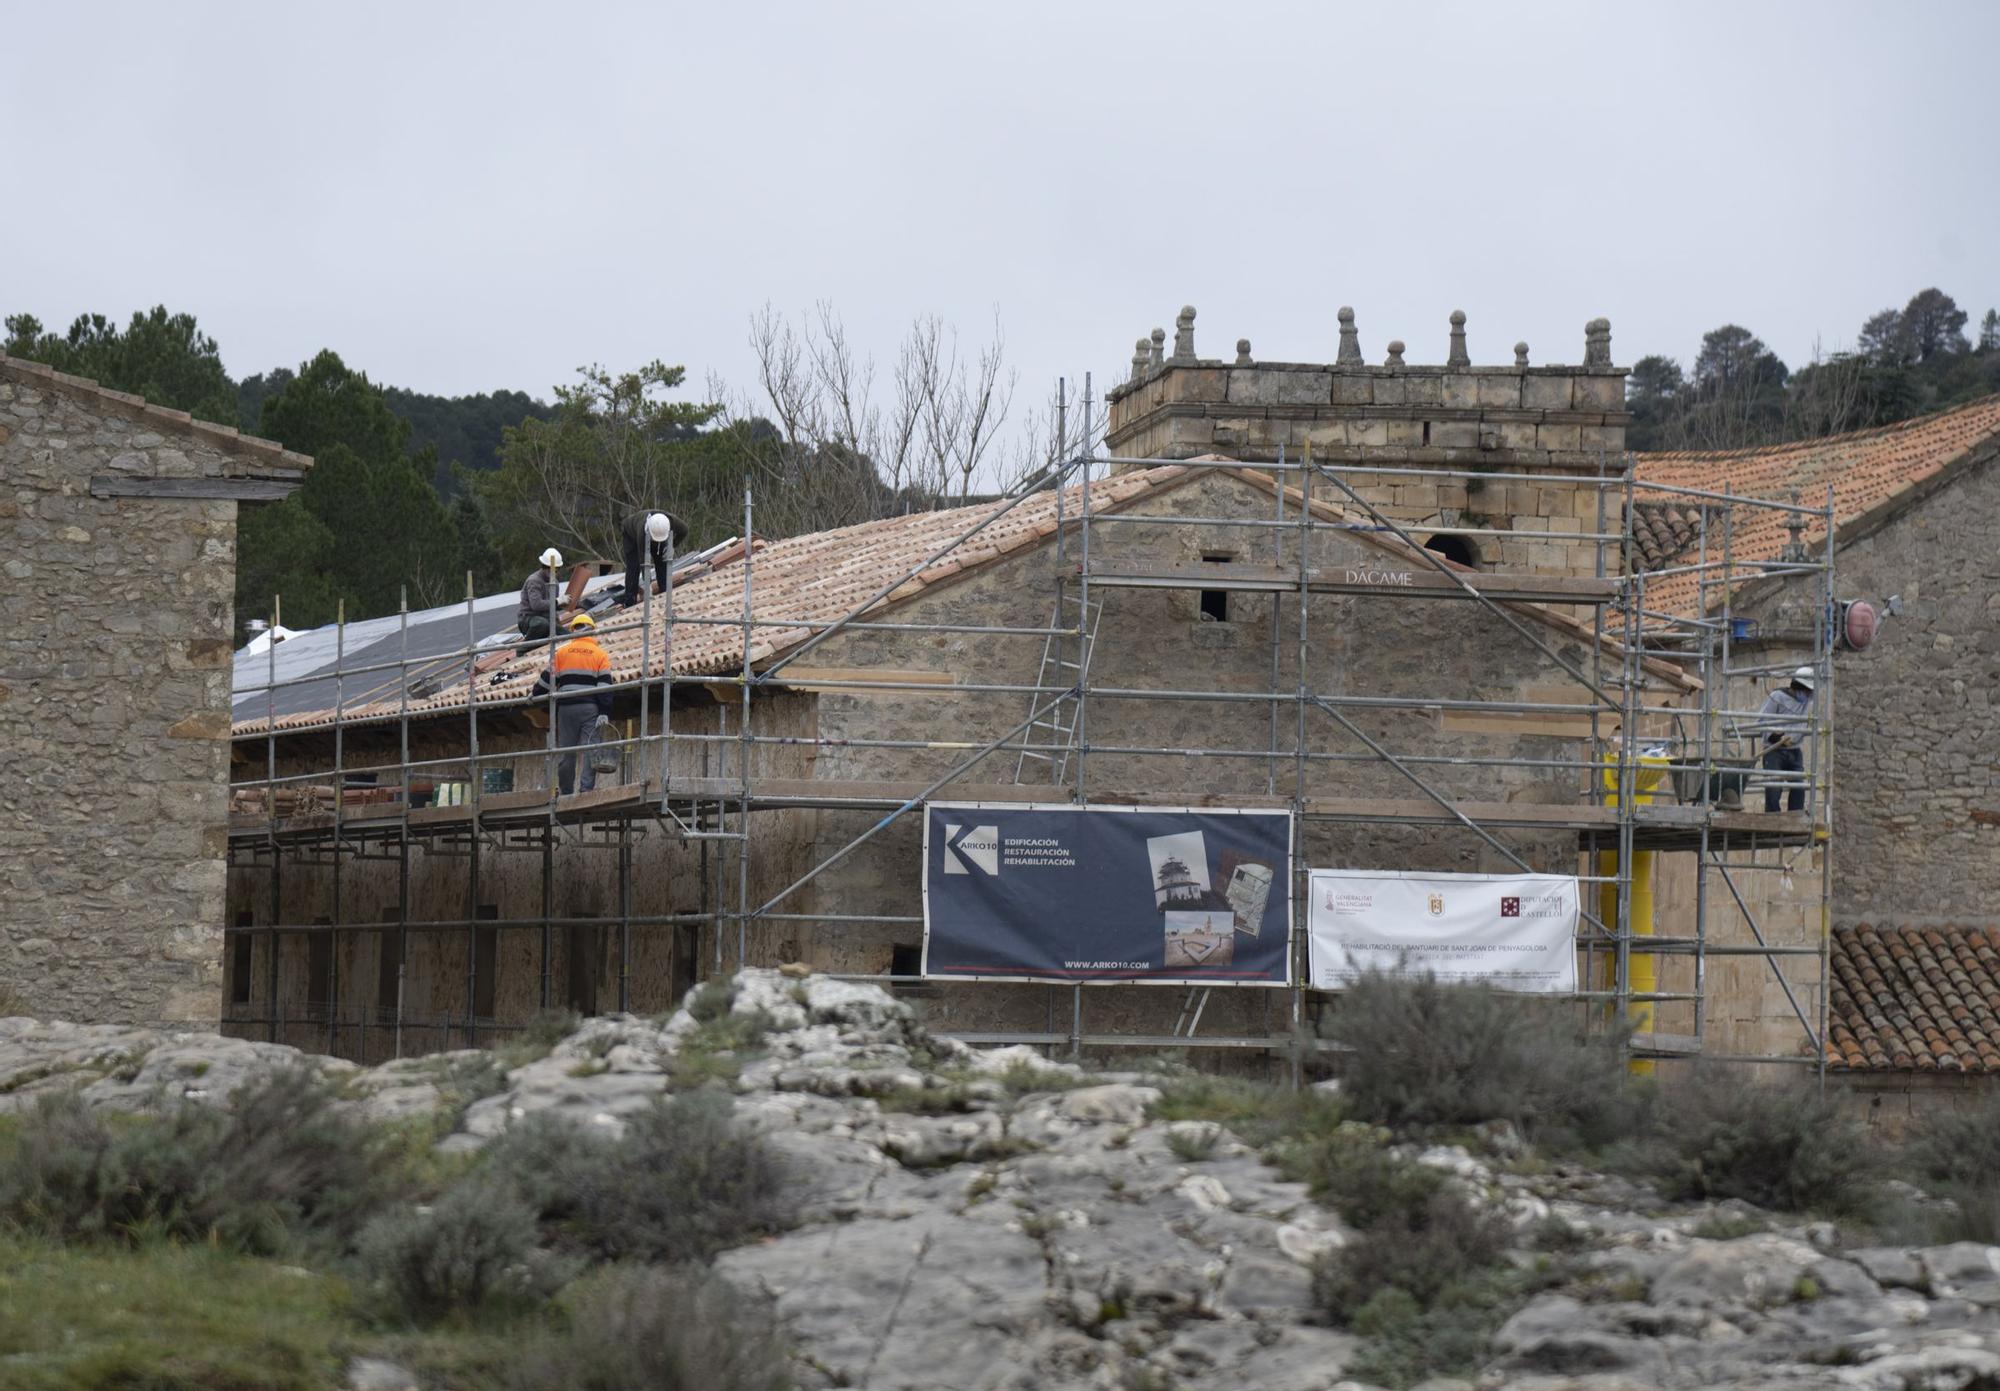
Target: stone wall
1916, 764
114, 707
1556, 421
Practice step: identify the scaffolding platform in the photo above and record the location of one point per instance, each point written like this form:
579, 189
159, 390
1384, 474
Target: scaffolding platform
1655, 827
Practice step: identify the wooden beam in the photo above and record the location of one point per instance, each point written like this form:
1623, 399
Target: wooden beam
194, 489
1521, 723
850, 680
1395, 578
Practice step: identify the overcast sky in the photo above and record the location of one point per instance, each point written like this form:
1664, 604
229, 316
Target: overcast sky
459, 198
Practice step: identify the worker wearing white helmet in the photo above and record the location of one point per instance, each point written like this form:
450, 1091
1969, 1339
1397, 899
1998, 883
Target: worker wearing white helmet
1783, 721
649, 535
539, 593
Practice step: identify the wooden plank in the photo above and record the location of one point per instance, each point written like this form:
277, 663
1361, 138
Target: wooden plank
441, 816
1502, 722
194, 489
818, 679
1395, 578
1662, 826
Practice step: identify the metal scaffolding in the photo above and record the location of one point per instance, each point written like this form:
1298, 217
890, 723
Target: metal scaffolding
1648, 783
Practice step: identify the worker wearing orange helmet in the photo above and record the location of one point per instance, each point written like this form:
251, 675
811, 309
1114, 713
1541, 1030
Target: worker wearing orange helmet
581, 678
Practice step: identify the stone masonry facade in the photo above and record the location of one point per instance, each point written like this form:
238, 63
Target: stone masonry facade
1557, 422
1916, 764
114, 697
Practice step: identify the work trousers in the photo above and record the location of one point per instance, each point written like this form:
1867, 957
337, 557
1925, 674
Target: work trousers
1790, 759
576, 723
535, 625
635, 568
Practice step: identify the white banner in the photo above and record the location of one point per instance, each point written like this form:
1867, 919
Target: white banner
1510, 931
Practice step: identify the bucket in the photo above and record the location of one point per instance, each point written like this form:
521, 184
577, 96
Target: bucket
1742, 629
602, 759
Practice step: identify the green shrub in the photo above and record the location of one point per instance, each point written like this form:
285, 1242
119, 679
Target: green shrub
683, 1183
1351, 1170
1421, 1053
537, 1038
648, 1329
1193, 1146
1421, 1282
1422, 1248
473, 1247
710, 1002
716, 1050
1257, 1113
1956, 1146
1404, 1342
1783, 1147
1955, 1156
279, 1164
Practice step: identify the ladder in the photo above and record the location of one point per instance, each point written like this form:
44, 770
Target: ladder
1055, 727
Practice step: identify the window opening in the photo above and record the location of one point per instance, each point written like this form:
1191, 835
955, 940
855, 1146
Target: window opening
1215, 602
1455, 548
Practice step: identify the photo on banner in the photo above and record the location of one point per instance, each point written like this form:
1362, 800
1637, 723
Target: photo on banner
1157, 895
1510, 931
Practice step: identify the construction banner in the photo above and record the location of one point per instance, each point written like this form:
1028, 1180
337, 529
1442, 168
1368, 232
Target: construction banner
1145, 894
1511, 931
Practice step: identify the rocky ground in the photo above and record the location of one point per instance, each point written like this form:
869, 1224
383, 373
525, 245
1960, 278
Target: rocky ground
989, 1221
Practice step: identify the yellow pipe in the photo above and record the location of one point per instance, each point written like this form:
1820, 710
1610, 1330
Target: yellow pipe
1643, 969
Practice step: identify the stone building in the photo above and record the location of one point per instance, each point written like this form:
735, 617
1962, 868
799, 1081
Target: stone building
1915, 762
466, 919
117, 539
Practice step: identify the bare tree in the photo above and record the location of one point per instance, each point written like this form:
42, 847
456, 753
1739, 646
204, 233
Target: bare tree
1827, 396
828, 445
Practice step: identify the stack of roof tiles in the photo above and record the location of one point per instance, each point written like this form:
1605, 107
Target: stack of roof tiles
1915, 999
1662, 532
1869, 471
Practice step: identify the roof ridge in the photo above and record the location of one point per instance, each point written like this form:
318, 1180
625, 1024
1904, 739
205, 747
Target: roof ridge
225, 437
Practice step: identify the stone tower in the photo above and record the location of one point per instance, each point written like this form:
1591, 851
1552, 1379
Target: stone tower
1556, 423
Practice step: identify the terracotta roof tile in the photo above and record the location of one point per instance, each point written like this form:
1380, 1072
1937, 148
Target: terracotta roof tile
824, 576
1662, 532
1914, 999
1868, 470
819, 577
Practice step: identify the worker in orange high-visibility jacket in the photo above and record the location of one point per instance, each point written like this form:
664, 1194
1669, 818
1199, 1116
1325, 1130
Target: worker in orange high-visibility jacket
582, 675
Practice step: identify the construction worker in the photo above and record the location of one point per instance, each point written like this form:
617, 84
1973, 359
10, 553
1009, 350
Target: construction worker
582, 672
645, 532
1782, 717
539, 593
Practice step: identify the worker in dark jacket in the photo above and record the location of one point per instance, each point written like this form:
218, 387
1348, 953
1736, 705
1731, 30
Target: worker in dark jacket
582, 677
653, 532
540, 593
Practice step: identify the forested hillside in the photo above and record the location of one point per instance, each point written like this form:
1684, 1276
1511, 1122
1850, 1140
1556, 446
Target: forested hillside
1904, 362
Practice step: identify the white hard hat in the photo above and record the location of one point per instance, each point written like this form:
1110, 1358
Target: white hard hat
552, 556
658, 527
1804, 677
